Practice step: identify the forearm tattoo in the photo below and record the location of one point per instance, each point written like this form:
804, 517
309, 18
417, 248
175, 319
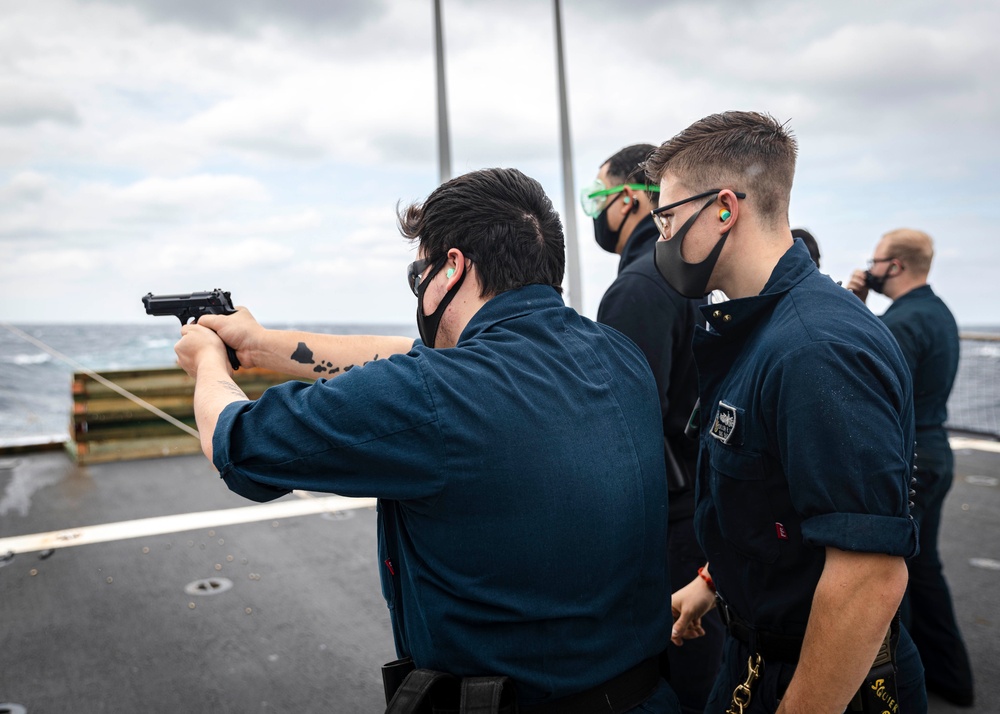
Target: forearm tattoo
233, 388
304, 355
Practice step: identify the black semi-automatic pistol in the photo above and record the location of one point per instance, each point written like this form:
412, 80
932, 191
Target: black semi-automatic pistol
188, 308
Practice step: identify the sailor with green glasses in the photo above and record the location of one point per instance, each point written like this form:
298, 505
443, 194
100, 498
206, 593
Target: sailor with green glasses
642, 305
597, 198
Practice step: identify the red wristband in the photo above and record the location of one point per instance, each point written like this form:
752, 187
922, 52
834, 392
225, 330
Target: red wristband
707, 578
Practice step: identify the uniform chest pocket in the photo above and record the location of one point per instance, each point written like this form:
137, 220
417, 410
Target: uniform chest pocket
739, 491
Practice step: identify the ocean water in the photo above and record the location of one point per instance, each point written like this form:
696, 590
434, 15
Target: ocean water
35, 397
35, 385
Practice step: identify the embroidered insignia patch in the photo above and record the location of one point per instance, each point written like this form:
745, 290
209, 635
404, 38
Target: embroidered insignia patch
725, 423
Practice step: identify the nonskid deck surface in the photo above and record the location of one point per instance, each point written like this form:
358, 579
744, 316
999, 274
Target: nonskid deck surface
189, 598
148, 624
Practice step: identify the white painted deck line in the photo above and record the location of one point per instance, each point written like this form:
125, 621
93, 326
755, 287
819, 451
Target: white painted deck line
961, 442
123, 530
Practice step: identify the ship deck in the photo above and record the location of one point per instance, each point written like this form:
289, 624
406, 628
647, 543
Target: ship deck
146, 586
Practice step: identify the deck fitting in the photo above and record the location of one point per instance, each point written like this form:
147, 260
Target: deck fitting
208, 586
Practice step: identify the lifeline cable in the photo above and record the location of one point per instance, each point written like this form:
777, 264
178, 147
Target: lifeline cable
107, 383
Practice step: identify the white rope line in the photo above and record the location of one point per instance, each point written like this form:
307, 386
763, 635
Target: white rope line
107, 383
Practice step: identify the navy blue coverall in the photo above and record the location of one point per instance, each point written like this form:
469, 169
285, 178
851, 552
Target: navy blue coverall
806, 443
928, 336
525, 466
643, 307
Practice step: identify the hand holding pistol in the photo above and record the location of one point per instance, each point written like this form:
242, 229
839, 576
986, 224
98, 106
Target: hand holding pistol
188, 308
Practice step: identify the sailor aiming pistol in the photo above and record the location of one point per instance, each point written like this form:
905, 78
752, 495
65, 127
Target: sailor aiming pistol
188, 308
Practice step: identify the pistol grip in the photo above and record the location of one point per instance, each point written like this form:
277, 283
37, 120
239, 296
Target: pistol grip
233, 360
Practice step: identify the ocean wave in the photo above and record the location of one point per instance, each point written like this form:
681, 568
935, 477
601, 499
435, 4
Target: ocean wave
34, 358
154, 344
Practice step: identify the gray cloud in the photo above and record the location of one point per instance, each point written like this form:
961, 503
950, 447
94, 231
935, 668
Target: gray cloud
251, 15
23, 105
254, 128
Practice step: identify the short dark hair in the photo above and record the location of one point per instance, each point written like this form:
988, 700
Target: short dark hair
627, 166
810, 242
741, 151
501, 219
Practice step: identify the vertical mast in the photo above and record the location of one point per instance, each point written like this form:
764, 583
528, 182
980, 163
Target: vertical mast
444, 141
574, 286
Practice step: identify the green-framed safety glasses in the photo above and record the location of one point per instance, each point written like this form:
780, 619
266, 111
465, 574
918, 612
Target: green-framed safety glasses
594, 196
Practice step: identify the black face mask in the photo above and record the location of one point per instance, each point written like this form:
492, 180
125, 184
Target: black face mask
689, 279
875, 283
605, 237
427, 325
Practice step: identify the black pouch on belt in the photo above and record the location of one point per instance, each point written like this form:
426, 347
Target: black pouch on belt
393, 674
425, 691
878, 692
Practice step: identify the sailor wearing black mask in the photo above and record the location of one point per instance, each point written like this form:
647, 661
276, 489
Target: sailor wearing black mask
642, 306
610, 201
514, 451
927, 334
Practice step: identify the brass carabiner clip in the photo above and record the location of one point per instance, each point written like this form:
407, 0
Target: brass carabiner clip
744, 690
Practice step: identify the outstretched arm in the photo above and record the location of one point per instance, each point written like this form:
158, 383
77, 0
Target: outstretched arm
300, 354
202, 354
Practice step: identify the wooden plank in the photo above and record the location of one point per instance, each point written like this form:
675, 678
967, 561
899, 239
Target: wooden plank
121, 405
108, 426
87, 432
149, 384
171, 373
980, 336
128, 449
122, 409
164, 381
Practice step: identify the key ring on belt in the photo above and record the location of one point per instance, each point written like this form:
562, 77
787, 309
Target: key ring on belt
744, 690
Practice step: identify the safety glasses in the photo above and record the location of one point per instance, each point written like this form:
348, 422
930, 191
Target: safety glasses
415, 272
872, 262
594, 197
660, 214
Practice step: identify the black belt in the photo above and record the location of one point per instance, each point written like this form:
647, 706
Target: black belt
768, 645
620, 694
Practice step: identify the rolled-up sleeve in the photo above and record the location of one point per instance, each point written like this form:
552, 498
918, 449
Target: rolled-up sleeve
845, 436
373, 432
862, 532
237, 481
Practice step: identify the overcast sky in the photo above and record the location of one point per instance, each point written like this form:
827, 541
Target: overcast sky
261, 147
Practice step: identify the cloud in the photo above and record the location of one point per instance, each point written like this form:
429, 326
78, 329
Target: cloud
23, 105
237, 255
40, 206
247, 15
199, 194
26, 187
35, 262
253, 146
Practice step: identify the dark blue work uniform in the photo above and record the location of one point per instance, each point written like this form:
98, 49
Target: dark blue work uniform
525, 471
642, 306
928, 337
806, 442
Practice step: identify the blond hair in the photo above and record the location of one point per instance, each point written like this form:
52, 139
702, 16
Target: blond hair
915, 248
